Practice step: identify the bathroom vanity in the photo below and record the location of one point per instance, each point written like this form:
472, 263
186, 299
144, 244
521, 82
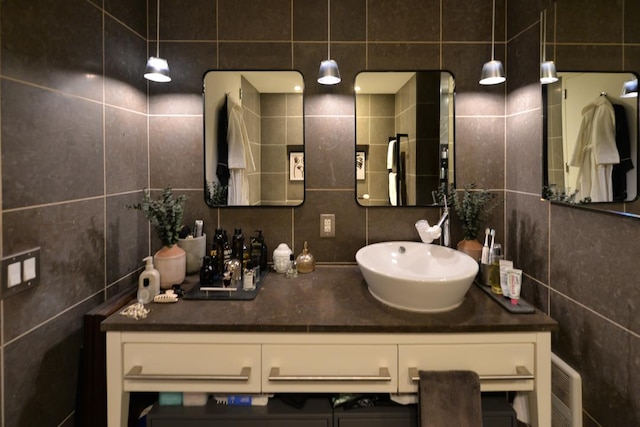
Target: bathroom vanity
323, 333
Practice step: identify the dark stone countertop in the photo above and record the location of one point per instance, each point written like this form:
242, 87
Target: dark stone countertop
330, 299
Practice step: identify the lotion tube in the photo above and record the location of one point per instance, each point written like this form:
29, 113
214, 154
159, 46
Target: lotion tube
514, 279
505, 266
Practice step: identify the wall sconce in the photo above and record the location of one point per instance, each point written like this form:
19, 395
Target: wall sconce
629, 89
157, 68
492, 71
548, 72
329, 73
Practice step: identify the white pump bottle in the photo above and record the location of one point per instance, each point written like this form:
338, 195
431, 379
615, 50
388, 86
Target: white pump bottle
148, 282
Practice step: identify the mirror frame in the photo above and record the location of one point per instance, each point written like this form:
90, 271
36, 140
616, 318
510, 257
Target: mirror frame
289, 148
447, 162
614, 207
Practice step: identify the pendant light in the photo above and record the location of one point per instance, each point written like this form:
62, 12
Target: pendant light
329, 73
157, 68
548, 72
492, 71
629, 89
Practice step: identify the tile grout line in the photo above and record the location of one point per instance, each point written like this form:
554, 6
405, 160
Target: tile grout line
104, 159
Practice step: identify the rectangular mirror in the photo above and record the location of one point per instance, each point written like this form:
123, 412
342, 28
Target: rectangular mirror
253, 138
404, 137
590, 132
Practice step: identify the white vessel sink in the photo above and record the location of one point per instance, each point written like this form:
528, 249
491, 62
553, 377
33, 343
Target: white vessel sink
417, 276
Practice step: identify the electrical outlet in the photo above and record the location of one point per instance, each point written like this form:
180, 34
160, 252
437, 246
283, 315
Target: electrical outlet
327, 225
20, 271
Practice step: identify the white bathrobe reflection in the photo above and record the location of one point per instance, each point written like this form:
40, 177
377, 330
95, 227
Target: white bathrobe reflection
240, 156
595, 151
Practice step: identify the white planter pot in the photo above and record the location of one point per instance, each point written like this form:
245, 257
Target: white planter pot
195, 248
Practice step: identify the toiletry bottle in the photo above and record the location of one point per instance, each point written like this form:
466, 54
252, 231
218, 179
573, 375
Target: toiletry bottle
248, 279
292, 271
245, 254
306, 261
256, 248
219, 249
208, 271
263, 253
227, 248
237, 243
494, 269
148, 282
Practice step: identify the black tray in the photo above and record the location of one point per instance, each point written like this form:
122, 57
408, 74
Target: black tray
522, 307
195, 293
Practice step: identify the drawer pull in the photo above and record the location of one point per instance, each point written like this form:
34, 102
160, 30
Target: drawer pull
136, 374
522, 373
383, 375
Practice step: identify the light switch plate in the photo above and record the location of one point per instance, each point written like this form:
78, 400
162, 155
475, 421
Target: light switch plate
20, 271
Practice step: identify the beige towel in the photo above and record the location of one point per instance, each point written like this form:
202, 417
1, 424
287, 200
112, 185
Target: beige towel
449, 398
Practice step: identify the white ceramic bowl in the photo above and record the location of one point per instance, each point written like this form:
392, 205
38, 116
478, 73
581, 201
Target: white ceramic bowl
417, 276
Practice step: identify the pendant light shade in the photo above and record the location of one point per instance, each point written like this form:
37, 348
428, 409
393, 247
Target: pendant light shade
157, 69
329, 73
629, 89
492, 71
548, 72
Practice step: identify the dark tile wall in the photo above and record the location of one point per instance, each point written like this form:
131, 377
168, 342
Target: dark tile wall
80, 137
74, 145
578, 263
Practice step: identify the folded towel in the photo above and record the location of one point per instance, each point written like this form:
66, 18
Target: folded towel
393, 195
391, 154
449, 398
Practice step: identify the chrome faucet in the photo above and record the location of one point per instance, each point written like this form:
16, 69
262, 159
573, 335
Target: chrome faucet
439, 231
445, 236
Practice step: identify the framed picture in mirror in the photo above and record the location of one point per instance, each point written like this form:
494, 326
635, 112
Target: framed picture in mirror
296, 166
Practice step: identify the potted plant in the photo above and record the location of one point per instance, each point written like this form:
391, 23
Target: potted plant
472, 208
165, 215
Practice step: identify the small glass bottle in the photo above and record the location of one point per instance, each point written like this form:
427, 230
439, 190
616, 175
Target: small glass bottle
292, 271
494, 269
248, 278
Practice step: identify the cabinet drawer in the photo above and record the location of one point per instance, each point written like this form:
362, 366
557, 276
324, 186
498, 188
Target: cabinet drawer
191, 367
500, 366
329, 368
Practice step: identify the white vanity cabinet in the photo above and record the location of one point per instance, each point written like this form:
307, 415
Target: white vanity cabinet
323, 333
320, 363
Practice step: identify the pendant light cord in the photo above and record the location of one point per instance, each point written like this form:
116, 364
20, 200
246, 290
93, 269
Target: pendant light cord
158, 30
493, 31
328, 29
544, 35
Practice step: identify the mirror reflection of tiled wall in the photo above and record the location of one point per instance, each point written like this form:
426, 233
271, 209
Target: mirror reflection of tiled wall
281, 126
554, 136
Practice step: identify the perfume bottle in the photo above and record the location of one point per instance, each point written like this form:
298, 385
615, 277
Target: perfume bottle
292, 271
306, 262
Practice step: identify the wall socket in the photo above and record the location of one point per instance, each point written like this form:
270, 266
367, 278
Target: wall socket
20, 271
327, 225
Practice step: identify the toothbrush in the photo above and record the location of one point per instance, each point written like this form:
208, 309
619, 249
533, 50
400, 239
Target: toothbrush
485, 248
493, 240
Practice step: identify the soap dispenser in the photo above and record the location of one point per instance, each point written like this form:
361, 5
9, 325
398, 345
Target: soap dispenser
306, 261
148, 282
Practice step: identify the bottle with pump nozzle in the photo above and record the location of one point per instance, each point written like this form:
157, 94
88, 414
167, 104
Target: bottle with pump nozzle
148, 282
218, 244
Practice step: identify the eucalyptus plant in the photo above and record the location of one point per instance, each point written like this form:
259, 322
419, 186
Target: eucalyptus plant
164, 214
473, 208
